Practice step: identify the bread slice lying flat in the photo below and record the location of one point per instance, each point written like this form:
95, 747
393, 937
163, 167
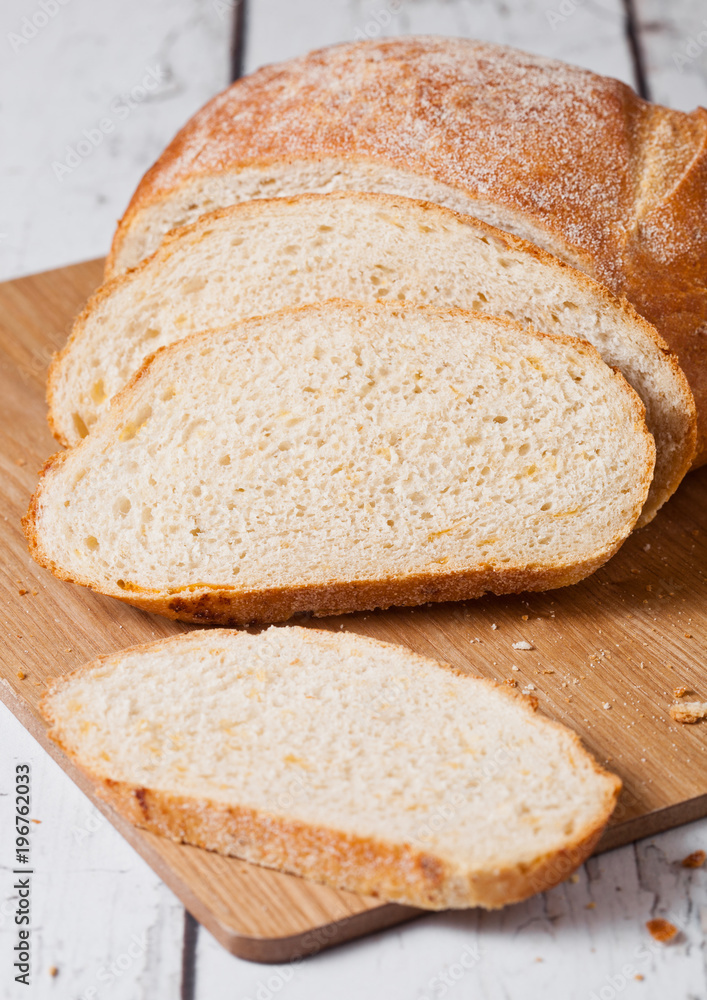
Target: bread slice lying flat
342, 457
346, 760
265, 255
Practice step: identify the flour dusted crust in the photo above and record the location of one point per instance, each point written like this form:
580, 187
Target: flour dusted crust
573, 161
398, 872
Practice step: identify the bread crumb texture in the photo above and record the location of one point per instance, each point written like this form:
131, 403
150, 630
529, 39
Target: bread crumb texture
689, 711
334, 756
662, 930
257, 257
341, 457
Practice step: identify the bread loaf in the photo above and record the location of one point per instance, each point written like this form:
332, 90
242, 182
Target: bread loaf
264, 255
570, 160
333, 756
342, 457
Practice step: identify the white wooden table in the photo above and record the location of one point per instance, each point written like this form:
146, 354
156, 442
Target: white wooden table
102, 921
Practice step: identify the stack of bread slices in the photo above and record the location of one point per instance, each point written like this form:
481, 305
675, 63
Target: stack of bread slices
320, 379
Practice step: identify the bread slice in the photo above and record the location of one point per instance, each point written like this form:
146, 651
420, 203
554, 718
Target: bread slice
265, 255
340, 457
571, 160
337, 757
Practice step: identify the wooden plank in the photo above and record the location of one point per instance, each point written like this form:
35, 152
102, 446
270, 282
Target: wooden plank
589, 34
673, 39
624, 639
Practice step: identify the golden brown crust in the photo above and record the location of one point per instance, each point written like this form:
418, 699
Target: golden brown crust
402, 873
201, 602
458, 112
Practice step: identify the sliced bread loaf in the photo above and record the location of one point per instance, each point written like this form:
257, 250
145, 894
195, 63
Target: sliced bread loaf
340, 457
336, 757
265, 255
572, 161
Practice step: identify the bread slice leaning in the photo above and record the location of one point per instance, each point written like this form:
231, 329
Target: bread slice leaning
266, 255
343, 457
572, 161
337, 757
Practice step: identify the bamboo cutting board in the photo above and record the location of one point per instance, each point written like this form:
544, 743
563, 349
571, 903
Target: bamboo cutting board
607, 655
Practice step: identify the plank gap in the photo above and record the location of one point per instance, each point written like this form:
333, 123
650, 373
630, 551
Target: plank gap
238, 33
636, 49
189, 941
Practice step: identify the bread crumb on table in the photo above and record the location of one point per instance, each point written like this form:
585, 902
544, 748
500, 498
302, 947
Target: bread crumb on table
21, 674
694, 860
661, 930
679, 692
688, 711
523, 644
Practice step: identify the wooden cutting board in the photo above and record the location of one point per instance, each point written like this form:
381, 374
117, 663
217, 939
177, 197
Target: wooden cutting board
607, 655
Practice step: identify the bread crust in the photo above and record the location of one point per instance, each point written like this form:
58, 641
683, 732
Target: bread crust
205, 603
402, 873
457, 112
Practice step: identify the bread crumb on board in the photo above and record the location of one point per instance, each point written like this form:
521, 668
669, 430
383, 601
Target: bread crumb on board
523, 644
688, 711
661, 930
694, 860
21, 674
680, 692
